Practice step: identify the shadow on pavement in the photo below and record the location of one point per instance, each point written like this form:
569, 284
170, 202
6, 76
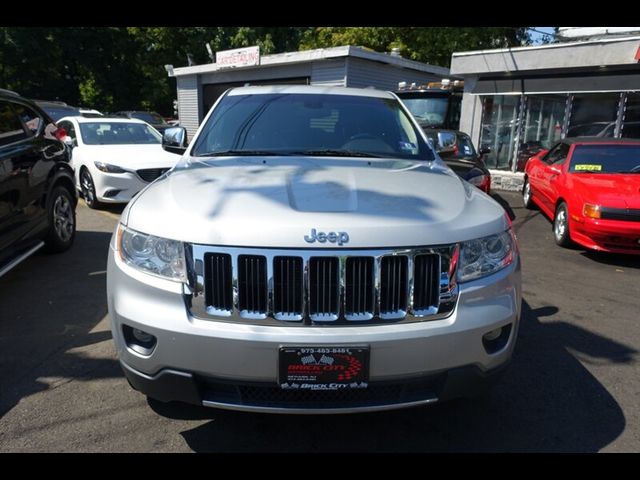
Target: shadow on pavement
616, 260
546, 401
50, 304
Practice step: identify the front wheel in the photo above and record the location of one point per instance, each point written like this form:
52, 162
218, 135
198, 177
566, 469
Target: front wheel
88, 189
526, 195
62, 221
561, 226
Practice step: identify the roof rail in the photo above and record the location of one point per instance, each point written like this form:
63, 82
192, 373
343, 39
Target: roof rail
9, 92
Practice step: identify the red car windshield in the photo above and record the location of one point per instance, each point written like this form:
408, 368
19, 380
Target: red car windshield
605, 159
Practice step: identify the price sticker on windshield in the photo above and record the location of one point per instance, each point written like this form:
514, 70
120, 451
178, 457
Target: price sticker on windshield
587, 168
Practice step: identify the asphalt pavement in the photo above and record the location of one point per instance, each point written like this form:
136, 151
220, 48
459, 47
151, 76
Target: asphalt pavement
572, 386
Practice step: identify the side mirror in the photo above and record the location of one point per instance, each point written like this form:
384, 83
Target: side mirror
68, 141
446, 143
174, 140
485, 151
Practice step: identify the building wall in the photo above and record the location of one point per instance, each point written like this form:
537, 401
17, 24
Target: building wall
362, 74
189, 103
329, 73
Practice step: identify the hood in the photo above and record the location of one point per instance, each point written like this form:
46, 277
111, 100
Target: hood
132, 157
615, 190
241, 201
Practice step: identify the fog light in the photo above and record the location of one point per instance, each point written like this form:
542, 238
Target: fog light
142, 337
492, 335
497, 339
138, 340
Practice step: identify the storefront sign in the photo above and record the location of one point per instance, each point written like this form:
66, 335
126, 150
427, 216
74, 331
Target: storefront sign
240, 57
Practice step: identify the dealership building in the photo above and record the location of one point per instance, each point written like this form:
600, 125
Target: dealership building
200, 86
519, 100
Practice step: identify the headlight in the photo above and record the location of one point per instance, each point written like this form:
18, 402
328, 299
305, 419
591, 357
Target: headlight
484, 256
108, 168
154, 255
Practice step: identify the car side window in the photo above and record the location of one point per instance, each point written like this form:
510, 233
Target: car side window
31, 120
561, 155
11, 129
551, 155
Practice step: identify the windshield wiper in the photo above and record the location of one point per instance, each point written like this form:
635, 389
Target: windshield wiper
335, 153
224, 153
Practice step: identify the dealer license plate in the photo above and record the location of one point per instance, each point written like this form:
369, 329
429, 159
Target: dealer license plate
323, 368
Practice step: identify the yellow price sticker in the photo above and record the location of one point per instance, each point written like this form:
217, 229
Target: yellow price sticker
587, 167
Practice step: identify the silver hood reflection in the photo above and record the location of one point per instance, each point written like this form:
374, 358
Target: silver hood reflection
275, 201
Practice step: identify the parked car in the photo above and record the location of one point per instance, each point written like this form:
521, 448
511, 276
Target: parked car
114, 158
458, 152
37, 198
152, 118
311, 253
590, 187
56, 110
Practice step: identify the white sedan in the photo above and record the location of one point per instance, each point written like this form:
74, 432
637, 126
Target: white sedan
113, 158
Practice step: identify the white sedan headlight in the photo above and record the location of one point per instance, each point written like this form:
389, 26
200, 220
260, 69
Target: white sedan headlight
151, 254
485, 256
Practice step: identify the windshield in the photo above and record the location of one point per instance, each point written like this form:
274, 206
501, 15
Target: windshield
311, 124
120, 133
149, 117
606, 159
428, 111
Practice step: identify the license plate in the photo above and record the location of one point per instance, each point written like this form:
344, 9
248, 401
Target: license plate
323, 368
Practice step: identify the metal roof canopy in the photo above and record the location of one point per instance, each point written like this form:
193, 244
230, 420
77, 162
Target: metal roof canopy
318, 54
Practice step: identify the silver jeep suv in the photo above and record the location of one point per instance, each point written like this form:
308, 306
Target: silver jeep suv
310, 253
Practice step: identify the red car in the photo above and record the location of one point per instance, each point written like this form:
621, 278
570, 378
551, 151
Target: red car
590, 187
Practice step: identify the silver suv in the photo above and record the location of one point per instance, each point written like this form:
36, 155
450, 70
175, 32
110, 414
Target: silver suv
310, 253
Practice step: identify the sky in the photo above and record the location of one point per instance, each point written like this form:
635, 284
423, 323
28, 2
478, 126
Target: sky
537, 37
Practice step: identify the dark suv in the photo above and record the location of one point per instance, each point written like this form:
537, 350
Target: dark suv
37, 194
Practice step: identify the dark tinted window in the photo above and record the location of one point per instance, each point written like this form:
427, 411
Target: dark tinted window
605, 159
306, 123
31, 119
11, 129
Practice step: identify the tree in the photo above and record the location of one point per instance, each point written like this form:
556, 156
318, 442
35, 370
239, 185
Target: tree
432, 45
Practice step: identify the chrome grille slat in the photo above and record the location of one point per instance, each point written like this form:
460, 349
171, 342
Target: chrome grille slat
359, 289
288, 304
252, 286
324, 305
323, 287
218, 275
426, 284
393, 283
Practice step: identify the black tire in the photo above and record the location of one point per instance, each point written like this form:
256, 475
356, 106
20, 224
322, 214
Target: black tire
527, 196
61, 214
561, 226
88, 189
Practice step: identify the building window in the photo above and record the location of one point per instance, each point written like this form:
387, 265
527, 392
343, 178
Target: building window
631, 116
542, 125
593, 115
499, 129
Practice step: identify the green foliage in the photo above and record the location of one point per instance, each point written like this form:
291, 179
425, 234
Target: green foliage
122, 68
432, 45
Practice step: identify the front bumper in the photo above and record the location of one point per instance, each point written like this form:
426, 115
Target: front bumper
612, 236
173, 385
127, 185
235, 365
